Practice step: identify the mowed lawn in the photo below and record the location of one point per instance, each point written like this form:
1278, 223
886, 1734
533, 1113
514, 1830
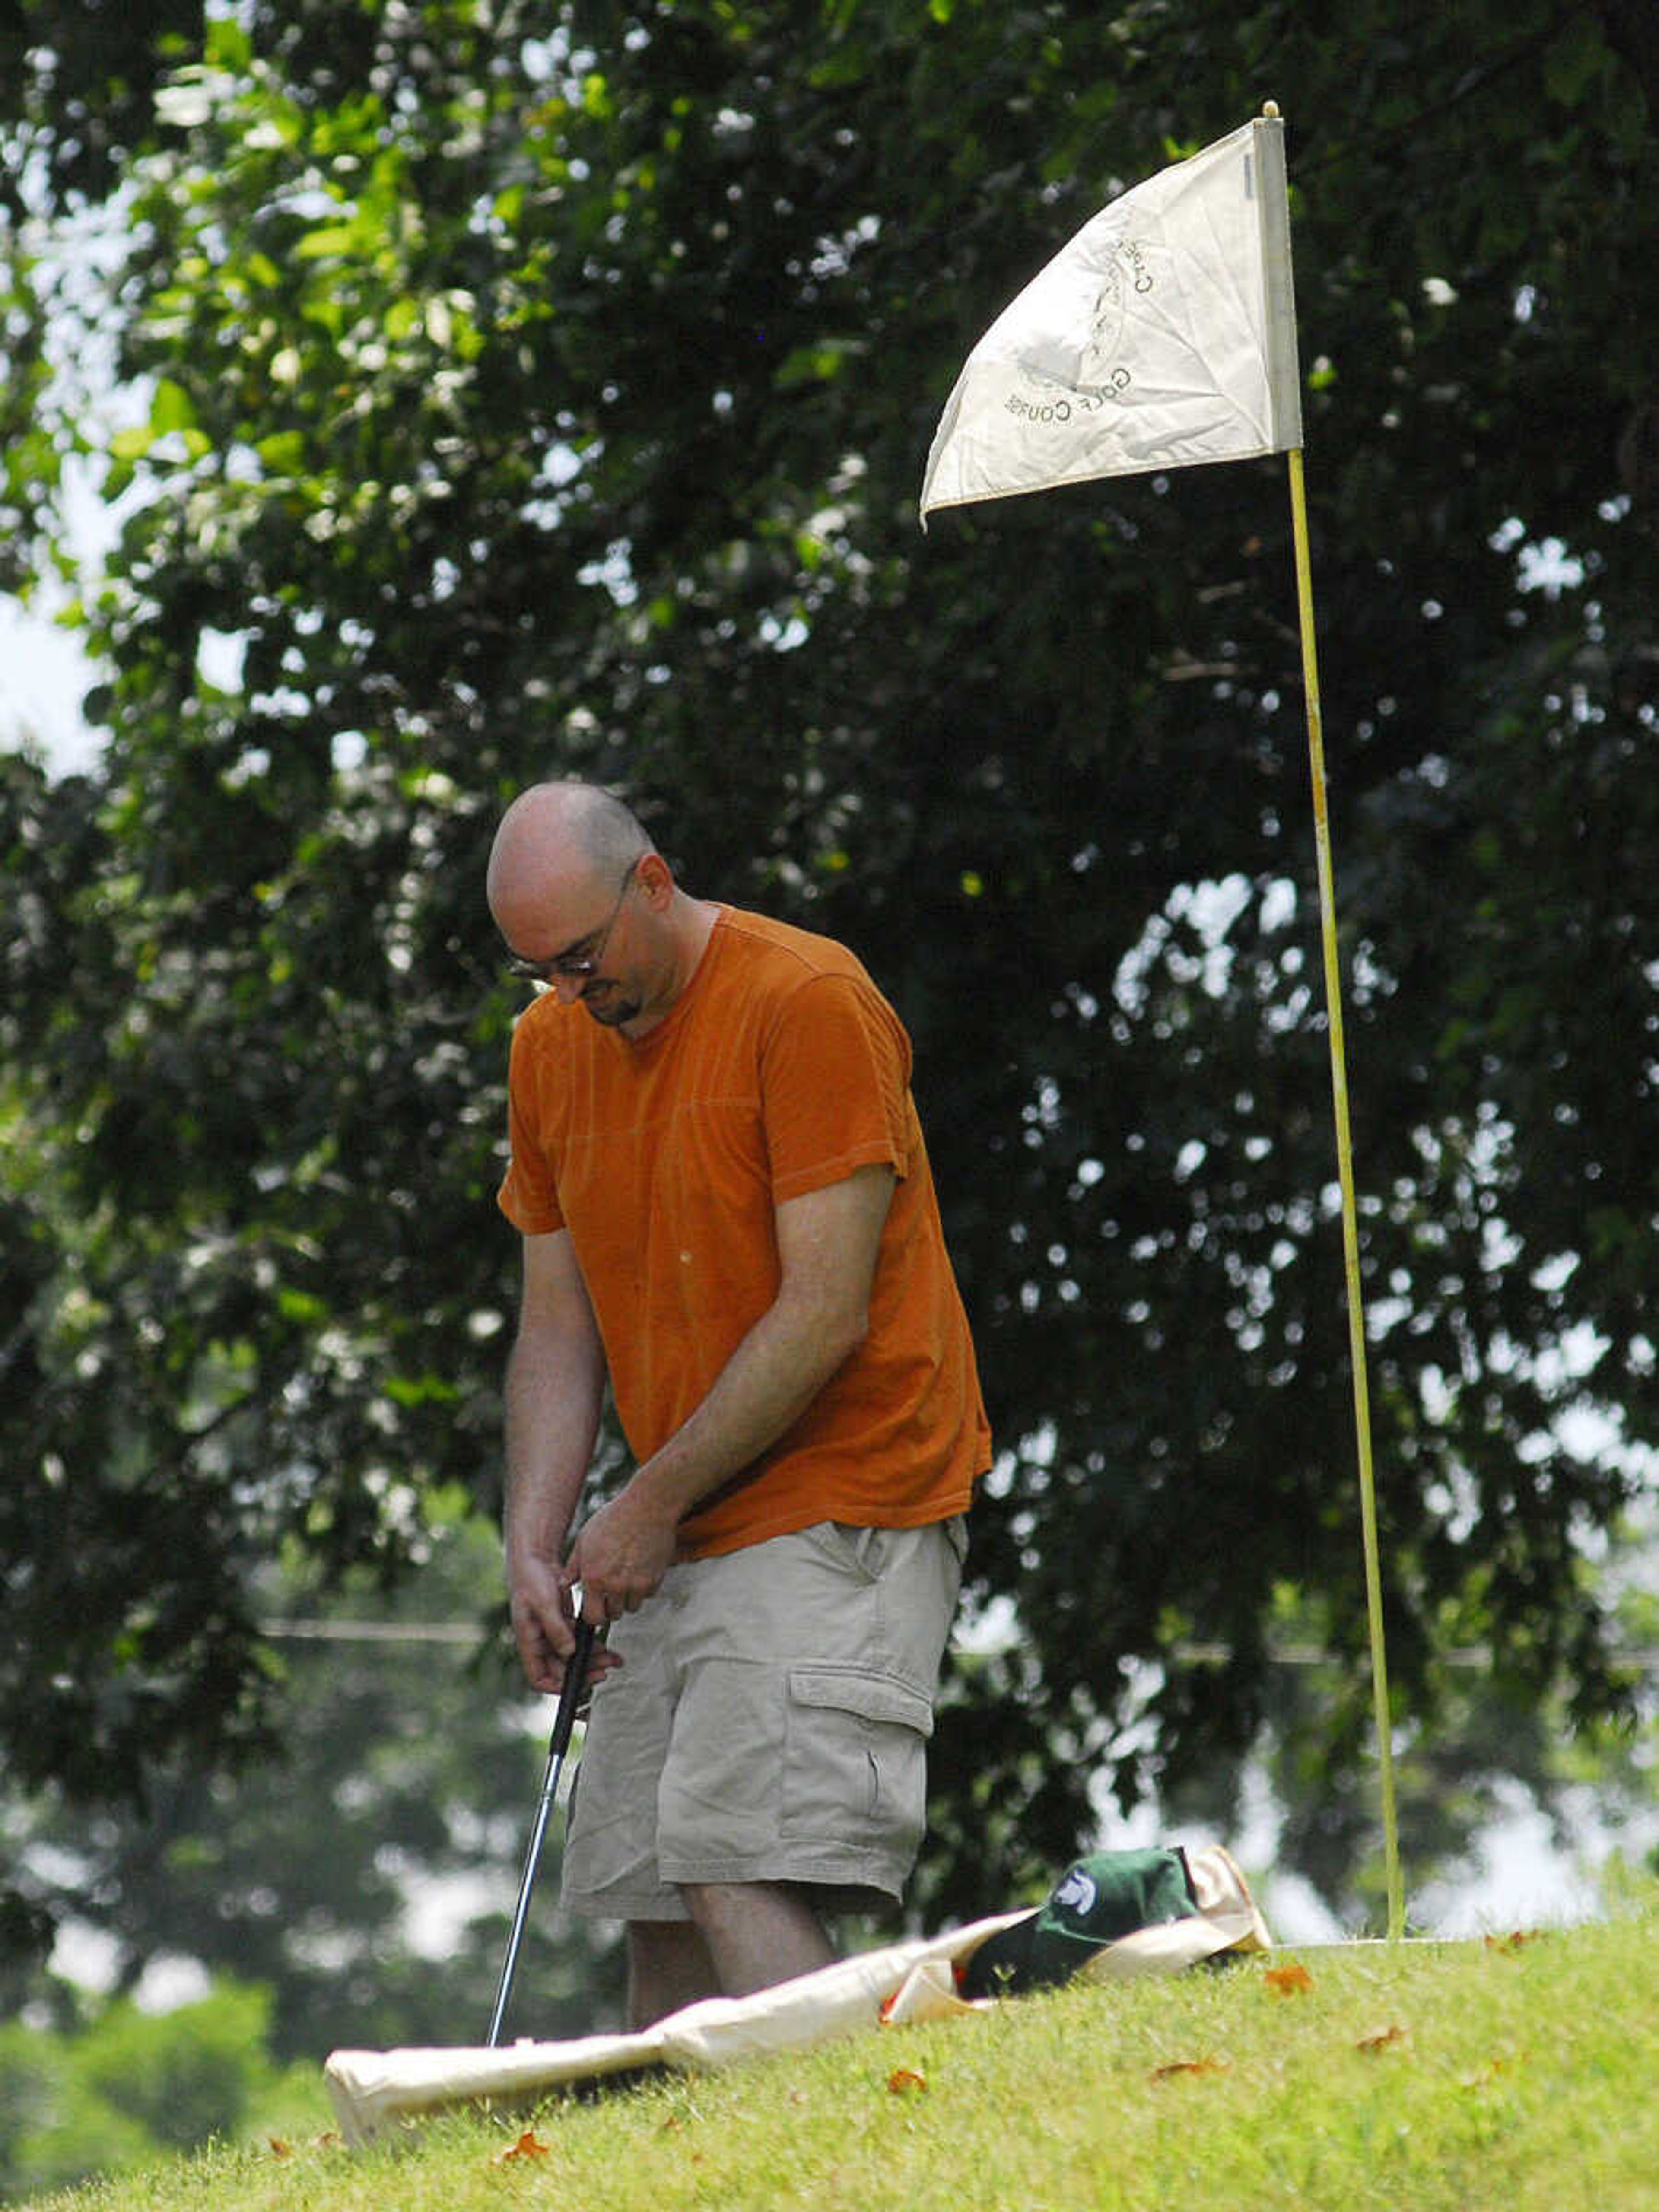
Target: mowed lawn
1515, 2072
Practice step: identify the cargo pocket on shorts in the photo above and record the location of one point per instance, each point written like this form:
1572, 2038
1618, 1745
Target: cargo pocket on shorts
855, 1759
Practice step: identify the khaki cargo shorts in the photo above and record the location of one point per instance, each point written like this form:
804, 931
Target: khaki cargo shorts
770, 1724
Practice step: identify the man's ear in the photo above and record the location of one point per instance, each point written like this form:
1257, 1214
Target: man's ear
656, 878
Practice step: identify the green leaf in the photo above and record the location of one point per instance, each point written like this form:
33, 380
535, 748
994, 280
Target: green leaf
283, 453
817, 363
409, 1390
226, 43
172, 409
330, 242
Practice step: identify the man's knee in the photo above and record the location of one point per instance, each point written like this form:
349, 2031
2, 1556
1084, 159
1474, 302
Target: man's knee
757, 1933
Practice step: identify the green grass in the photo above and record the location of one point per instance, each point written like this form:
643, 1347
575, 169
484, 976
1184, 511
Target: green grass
1517, 2075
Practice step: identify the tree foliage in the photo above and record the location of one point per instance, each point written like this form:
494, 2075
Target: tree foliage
1474, 1752
534, 392
404, 1789
121, 2092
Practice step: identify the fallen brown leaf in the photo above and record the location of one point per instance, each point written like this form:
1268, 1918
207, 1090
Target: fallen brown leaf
1189, 2066
529, 2145
1489, 2072
1289, 1981
282, 2148
1381, 2039
903, 2081
1515, 1940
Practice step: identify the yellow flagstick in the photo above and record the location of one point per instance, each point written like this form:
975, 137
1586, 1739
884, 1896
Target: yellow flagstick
1345, 1168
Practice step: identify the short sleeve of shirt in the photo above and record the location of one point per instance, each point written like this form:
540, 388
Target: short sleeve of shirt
527, 1196
835, 1074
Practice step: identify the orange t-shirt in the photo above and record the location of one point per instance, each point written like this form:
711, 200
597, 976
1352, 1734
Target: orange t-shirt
779, 1070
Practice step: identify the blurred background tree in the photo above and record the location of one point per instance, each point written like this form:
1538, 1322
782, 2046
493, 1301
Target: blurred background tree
363, 1874
120, 2092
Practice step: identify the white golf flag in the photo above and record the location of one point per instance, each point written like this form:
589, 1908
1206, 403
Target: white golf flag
1163, 335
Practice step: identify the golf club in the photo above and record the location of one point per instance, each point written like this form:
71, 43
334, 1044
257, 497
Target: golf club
575, 1675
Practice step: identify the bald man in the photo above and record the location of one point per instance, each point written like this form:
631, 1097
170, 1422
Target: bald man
727, 1216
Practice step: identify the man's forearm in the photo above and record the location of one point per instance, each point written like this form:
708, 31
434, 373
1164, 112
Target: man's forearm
622, 1553
826, 1247
772, 1377
553, 1394
827, 1240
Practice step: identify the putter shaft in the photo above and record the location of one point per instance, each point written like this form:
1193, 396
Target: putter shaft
575, 1675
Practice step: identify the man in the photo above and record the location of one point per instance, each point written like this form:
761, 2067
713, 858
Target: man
727, 1213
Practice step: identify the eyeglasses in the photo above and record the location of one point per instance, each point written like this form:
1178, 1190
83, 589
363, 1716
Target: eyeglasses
583, 958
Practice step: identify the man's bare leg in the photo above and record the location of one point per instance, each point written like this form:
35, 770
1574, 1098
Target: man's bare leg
668, 1965
757, 1932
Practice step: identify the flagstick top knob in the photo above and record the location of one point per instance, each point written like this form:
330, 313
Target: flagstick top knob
1270, 107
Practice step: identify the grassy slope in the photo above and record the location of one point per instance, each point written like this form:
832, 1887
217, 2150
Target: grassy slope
1517, 2075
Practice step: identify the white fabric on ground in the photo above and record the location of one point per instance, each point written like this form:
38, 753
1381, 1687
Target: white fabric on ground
374, 2090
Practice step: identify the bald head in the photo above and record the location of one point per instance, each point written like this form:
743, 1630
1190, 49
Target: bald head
555, 831
558, 839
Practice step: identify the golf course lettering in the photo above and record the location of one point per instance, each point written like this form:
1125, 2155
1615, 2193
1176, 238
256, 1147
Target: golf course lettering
1073, 403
